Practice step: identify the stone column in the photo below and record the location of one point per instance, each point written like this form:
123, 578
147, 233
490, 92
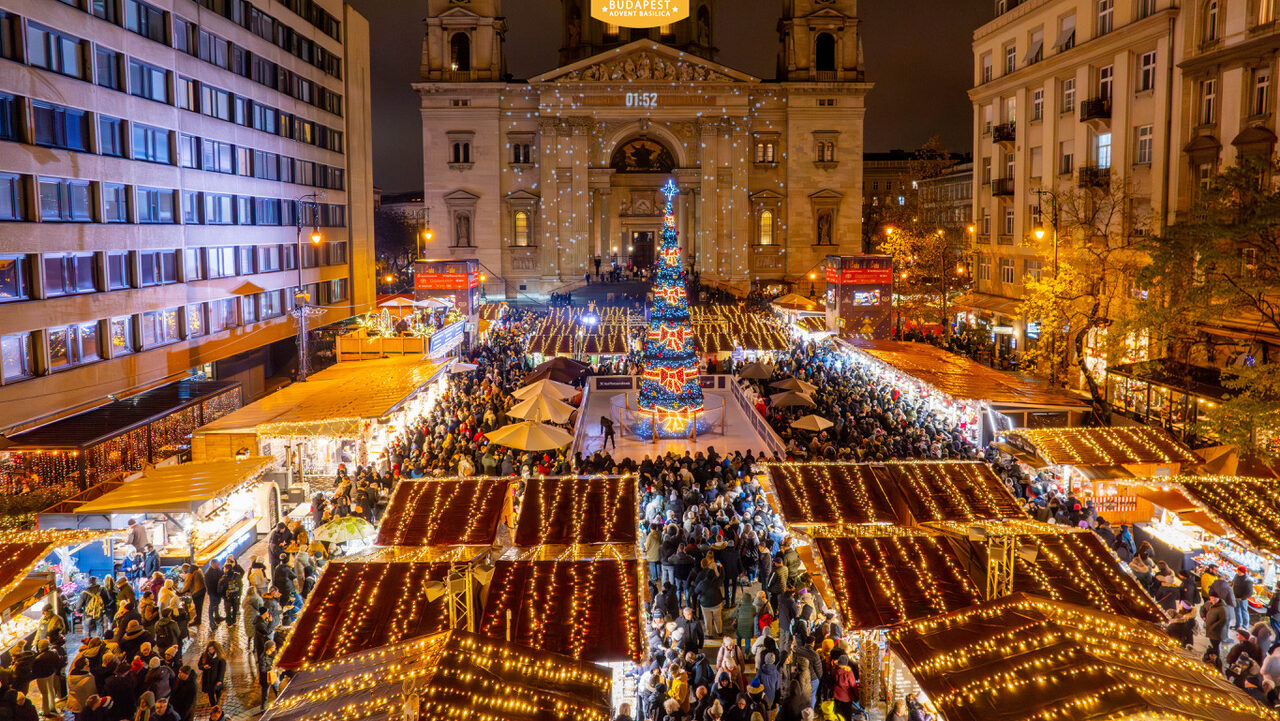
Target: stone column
740, 203
579, 202
548, 160
708, 200
604, 196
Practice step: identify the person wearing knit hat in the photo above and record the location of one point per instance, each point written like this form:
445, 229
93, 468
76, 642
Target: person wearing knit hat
1242, 587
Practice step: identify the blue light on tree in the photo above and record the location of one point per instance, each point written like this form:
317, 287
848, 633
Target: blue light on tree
671, 392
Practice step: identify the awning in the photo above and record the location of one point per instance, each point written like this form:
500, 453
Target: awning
1172, 500
1033, 51
178, 489
1067, 33
795, 301
1018, 454
336, 402
985, 301
1115, 446
812, 324
20, 551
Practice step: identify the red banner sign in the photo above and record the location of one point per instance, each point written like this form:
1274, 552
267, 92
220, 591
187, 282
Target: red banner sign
860, 276
445, 281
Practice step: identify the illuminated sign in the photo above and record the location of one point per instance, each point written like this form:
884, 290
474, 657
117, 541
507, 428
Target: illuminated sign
445, 281
639, 13
860, 276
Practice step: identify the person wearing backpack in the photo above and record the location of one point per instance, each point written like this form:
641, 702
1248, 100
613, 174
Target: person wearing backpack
93, 608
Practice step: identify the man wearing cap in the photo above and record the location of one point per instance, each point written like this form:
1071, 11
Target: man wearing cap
1244, 645
1242, 589
1215, 615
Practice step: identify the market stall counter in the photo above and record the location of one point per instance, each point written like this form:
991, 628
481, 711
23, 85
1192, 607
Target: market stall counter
192, 512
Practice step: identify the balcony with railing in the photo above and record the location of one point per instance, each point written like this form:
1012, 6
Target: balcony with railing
1095, 176
1001, 186
1004, 133
1095, 109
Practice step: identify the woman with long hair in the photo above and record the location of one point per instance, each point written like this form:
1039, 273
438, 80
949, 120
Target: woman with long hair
213, 672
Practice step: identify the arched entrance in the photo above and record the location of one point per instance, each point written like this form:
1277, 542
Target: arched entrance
640, 167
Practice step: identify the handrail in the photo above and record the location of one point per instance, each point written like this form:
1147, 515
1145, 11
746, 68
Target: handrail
761, 426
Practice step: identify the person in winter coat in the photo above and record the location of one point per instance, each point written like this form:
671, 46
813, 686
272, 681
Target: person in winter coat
232, 587
182, 698
133, 638
193, 586
1216, 623
769, 678
692, 628
80, 685
266, 674
122, 687
711, 600
167, 632
700, 671
213, 671
1242, 589
730, 560
846, 688
732, 660
1182, 626
745, 621
213, 586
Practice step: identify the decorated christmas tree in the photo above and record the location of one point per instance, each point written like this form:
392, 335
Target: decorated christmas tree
671, 394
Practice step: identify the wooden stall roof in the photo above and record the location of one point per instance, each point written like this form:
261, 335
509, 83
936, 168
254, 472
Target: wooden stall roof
1248, 507
587, 609
880, 576
906, 492
963, 378
178, 489
21, 551
578, 509
456, 674
1025, 658
90, 428
337, 401
443, 511
1115, 446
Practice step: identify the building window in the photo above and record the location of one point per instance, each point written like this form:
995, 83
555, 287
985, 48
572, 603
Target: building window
52, 50
192, 267
1068, 95
1066, 34
248, 309
65, 200
521, 153
1006, 270
1008, 222
825, 53
1208, 101
68, 274
73, 345
1102, 150
217, 156
155, 205
1146, 8
766, 227
1010, 58
118, 270
1147, 71
986, 68
986, 222
1106, 16
188, 90
195, 321
151, 144
764, 152
122, 339
1210, 24
826, 151
17, 363
1144, 141
1106, 76
216, 103
984, 267
147, 81
1260, 102
986, 171
145, 20
60, 127
271, 304
159, 267
224, 314
160, 327
522, 228
188, 151
460, 52
1037, 105
111, 136
14, 278
1032, 270
107, 64
461, 153
221, 261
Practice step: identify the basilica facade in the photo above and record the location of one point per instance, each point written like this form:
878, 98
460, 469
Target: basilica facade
540, 179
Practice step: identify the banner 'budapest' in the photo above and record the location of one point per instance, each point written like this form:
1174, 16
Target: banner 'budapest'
639, 13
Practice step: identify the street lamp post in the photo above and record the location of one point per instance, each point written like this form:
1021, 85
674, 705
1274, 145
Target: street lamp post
893, 294
1039, 232
302, 300
946, 326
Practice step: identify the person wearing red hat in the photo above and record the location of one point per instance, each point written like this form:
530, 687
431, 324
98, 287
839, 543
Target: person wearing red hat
1242, 587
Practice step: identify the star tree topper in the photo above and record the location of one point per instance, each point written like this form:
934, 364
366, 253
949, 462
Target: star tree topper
670, 190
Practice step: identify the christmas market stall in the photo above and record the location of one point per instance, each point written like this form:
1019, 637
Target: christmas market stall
444, 511
35, 564
1026, 657
568, 510
450, 674
74, 454
1090, 460
983, 401
189, 512
343, 414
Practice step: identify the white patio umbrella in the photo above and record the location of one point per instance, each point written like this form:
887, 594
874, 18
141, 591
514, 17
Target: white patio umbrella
794, 384
542, 408
396, 302
347, 528
460, 367
530, 436
812, 422
756, 371
546, 387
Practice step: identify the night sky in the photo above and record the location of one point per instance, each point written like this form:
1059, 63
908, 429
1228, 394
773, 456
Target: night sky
918, 53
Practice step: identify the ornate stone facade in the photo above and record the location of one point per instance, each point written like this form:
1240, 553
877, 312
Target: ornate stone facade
562, 170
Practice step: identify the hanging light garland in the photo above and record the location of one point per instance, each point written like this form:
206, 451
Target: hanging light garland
1104, 446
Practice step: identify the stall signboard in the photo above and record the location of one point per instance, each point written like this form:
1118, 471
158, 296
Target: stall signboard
445, 339
614, 383
859, 295
456, 279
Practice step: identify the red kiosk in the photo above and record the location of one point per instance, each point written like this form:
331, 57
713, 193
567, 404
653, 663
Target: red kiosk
859, 296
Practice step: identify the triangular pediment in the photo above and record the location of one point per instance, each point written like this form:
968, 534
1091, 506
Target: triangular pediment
459, 12
463, 195
522, 195
644, 61
826, 193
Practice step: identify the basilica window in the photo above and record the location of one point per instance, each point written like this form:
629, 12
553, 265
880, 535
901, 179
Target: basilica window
460, 153
459, 148
522, 229
824, 147
825, 53
460, 52
764, 152
766, 227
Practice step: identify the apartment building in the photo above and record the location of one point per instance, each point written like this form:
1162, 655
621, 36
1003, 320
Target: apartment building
1067, 94
159, 162
947, 201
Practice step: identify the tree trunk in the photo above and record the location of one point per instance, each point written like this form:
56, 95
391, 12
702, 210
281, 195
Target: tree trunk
1101, 411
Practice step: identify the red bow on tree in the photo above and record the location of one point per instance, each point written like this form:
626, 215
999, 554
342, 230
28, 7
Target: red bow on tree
671, 256
672, 294
673, 379
672, 336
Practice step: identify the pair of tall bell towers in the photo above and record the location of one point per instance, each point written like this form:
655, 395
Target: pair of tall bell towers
818, 39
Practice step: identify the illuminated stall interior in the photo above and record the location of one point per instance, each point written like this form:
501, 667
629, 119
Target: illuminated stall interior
1164, 393
1088, 460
